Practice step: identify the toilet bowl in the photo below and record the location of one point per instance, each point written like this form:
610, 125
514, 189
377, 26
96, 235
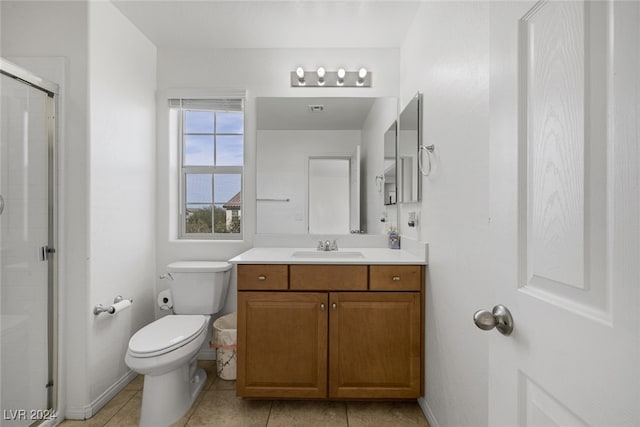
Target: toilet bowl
165, 351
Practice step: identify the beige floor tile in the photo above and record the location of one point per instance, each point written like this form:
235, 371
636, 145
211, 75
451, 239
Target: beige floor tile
129, 415
209, 367
223, 408
73, 423
183, 421
308, 413
217, 405
136, 384
108, 411
383, 414
220, 384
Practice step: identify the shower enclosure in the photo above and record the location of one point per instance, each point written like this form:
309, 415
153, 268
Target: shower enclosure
27, 241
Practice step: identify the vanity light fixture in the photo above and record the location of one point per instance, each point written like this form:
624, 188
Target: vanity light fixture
323, 78
341, 74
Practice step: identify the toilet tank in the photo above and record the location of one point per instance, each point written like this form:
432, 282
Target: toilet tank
199, 287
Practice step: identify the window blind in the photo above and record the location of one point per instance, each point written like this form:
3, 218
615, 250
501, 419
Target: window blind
215, 104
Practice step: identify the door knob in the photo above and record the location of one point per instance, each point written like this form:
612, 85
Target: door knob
499, 318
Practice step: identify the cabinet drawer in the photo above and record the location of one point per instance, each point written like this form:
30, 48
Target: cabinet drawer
328, 277
395, 277
263, 277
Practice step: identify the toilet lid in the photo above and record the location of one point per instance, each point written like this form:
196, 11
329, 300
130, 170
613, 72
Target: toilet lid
166, 334
198, 266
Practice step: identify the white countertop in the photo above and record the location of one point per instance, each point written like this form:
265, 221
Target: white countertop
307, 255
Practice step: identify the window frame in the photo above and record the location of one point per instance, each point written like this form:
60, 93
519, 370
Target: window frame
207, 170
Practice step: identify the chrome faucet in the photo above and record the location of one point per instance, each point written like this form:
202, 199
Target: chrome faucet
327, 245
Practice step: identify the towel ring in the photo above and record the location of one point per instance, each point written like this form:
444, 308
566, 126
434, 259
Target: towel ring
428, 149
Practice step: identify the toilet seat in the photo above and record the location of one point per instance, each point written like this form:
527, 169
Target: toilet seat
198, 266
166, 334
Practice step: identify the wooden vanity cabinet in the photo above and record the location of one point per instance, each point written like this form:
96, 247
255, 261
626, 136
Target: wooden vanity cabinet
325, 342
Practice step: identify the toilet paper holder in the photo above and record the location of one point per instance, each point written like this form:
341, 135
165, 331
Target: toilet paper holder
111, 309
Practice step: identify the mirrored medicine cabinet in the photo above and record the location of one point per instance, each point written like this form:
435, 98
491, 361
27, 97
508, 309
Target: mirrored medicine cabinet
409, 141
389, 177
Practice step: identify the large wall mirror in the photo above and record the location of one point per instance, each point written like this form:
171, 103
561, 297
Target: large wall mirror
319, 163
409, 140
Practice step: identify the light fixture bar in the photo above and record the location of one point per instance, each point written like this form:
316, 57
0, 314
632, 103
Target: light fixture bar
323, 78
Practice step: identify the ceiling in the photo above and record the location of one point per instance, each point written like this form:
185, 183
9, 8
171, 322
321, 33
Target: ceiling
207, 24
294, 114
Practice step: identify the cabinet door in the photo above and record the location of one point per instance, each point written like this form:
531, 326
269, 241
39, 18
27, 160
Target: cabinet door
282, 344
375, 345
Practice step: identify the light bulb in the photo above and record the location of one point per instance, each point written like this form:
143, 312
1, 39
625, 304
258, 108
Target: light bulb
341, 74
300, 74
362, 74
321, 73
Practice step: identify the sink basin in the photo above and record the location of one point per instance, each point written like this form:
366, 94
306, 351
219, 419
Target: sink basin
327, 254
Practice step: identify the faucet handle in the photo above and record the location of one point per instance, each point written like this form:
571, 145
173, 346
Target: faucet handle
320, 245
334, 245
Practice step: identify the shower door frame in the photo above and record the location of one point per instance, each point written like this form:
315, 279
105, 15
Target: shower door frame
48, 252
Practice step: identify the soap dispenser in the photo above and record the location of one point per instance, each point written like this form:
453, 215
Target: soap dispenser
394, 239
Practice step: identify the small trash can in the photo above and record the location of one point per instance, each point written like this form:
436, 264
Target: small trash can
225, 339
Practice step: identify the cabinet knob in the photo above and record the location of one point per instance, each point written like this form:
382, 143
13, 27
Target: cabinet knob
322, 307
262, 277
396, 278
334, 306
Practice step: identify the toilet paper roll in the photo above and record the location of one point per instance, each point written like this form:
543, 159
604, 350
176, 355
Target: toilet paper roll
119, 306
164, 300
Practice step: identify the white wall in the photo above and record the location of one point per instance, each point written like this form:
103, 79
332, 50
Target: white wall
285, 176
446, 56
122, 69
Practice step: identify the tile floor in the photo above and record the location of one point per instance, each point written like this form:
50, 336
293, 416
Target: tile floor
217, 405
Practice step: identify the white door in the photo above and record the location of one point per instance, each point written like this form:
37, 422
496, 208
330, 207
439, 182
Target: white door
329, 195
354, 196
565, 217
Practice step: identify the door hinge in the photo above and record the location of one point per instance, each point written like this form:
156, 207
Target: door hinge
46, 252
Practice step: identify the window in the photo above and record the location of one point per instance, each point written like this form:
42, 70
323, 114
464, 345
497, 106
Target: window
211, 135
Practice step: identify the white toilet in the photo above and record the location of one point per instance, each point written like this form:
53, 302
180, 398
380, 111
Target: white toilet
165, 351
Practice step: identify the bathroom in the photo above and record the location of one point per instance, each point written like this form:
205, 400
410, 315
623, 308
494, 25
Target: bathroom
111, 77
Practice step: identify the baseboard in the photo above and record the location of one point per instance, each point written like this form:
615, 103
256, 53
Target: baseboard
431, 419
207, 354
86, 412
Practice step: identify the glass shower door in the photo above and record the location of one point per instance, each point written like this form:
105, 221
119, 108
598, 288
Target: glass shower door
25, 232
